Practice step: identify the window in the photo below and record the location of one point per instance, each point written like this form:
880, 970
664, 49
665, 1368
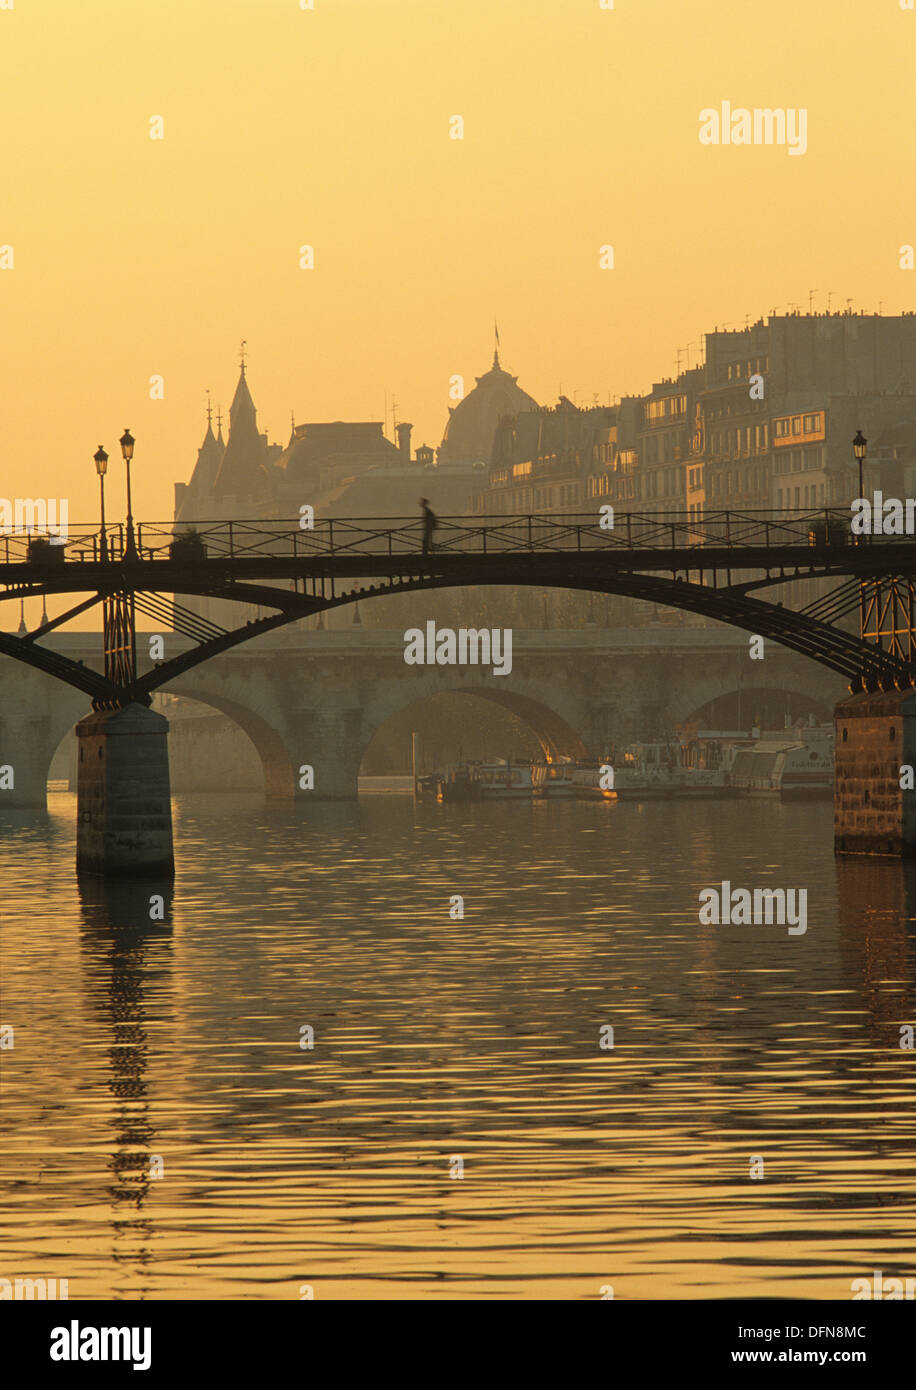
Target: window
796, 424
782, 428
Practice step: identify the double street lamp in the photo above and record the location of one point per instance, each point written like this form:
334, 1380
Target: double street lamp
100, 458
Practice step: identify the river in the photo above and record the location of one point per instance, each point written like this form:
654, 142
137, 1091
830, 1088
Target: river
455, 1128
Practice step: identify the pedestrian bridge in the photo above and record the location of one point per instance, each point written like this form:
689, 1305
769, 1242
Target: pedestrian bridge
716, 566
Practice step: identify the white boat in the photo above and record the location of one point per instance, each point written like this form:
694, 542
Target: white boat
657, 770
501, 779
785, 762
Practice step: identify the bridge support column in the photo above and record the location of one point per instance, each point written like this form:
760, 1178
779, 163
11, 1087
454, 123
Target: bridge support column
25, 755
875, 741
124, 812
330, 741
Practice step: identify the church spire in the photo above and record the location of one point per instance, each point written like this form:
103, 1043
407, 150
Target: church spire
242, 407
240, 472
209, 437
496, 346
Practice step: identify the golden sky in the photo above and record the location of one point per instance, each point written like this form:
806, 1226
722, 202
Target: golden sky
330, 127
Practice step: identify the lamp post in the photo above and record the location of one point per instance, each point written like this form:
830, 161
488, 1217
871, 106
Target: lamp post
101, 467
859, 448
127, 442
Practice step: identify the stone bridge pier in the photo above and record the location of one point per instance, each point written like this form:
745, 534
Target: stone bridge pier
35, 714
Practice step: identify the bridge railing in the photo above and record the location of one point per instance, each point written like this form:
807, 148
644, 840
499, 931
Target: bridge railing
397, 536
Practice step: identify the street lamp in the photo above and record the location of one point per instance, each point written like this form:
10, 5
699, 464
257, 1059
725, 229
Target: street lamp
859, 447
127, 442
101, 467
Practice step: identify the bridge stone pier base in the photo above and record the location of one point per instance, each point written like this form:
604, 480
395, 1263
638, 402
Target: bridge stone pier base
124, 814
331, 741
24, 749
875, 740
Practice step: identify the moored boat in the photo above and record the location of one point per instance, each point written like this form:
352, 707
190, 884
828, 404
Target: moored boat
502, 779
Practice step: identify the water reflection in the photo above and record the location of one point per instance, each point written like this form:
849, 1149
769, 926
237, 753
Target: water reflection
877, 931
478, 1038
126, 953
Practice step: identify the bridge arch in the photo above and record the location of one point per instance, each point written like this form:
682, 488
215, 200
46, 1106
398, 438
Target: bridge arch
276, 763
801, 688
554, 721
554, 733
763, 704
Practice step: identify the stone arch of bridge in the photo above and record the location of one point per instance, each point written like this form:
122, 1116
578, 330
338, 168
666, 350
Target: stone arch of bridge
783, 699
30, 739
554, 731
687, 703
269, 745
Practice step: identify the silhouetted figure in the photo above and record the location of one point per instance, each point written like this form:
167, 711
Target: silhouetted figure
429, 526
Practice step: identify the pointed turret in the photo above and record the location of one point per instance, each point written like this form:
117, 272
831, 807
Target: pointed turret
209, 458
241, 473
192, 501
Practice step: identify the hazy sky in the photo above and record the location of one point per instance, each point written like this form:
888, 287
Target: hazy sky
330, 127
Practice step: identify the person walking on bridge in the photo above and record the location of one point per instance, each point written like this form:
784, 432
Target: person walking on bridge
429, 525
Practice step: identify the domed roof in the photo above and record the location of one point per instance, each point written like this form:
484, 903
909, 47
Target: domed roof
468, 436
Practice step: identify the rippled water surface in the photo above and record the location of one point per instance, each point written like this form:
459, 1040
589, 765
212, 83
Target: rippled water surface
437, 1039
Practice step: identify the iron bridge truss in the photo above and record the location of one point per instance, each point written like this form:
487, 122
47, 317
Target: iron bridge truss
861, 627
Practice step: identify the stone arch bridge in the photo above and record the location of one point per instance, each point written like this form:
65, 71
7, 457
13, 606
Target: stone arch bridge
319, 698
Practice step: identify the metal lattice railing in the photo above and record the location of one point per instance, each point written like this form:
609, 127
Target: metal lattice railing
827, 529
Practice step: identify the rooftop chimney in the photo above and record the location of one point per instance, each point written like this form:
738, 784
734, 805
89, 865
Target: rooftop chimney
404, 441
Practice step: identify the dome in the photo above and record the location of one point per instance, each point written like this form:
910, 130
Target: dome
468, 436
